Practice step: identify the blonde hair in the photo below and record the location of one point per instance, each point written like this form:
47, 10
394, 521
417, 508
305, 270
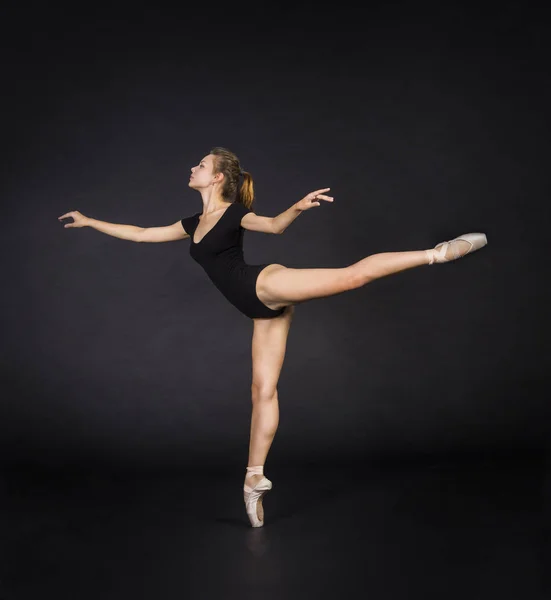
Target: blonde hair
226, 162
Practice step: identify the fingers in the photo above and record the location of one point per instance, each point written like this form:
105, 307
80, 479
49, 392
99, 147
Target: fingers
310, 199
74, 215
318, 195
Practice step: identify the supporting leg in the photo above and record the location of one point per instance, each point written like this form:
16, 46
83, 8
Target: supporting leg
268, 352
264, 423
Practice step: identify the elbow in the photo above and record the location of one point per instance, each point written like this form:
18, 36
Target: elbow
274, 230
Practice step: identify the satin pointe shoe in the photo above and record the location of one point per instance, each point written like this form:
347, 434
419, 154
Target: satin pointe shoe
253, 496
439, 253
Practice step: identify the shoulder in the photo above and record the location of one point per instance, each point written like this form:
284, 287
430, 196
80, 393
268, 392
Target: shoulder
240, 208
239, 211
189, 223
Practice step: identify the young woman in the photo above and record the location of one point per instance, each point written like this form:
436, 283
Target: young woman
265, 293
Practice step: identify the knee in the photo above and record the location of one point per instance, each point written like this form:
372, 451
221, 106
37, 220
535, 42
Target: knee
263, 392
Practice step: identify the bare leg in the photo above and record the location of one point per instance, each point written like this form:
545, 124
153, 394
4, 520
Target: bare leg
387, 263
264, 423
268, 352
279, 286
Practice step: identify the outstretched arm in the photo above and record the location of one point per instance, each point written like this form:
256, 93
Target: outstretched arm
283, 220
280, 223
132, 233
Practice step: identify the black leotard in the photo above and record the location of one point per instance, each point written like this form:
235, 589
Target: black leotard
220, 253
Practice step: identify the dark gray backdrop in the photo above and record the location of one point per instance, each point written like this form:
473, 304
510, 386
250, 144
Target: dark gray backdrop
425, 122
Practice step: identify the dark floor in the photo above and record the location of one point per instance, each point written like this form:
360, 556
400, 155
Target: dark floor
440, 529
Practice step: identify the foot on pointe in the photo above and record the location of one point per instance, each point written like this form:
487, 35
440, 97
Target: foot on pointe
456, 248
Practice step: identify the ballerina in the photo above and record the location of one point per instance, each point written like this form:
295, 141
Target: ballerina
266, 293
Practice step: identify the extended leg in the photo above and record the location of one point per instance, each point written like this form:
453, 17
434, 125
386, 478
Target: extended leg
279, 286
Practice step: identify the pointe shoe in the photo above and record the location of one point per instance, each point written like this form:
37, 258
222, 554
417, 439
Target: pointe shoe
438, 253
253, 497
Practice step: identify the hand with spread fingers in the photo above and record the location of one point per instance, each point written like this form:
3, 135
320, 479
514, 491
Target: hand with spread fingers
79, 220
312, 198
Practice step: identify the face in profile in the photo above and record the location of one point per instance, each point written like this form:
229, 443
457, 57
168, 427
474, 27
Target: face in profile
202, 175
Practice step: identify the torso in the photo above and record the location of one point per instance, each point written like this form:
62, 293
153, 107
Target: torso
219, 251
209, 221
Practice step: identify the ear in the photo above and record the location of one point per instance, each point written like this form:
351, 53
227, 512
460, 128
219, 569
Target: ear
219, 177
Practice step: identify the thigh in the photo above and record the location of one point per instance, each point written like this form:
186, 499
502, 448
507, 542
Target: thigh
268, 350
278, 285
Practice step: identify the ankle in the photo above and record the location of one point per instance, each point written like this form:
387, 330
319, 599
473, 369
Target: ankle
258, 470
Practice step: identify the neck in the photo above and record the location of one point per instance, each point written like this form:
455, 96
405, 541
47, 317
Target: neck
212, 200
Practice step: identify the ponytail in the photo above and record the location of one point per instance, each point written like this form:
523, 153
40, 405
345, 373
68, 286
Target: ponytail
245, 194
